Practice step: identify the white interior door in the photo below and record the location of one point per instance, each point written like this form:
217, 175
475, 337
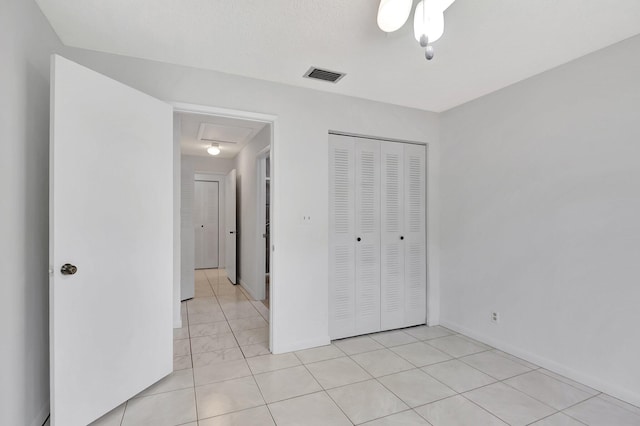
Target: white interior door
230, 225
206, 216
111, 215
367, 225
415, 235
342, 243
392, 284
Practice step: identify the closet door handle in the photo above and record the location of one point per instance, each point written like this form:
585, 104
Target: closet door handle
401, 237
358, 239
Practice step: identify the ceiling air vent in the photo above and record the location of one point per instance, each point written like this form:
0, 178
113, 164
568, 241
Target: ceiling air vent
324, 75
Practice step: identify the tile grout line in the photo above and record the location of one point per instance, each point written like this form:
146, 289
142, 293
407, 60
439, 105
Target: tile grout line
403, 401
372, 378
419, 366
480, 387
553, 414
563, 411
262, 395
400, 412
486, 409
462, 394
323, 389
193, 370
493, 377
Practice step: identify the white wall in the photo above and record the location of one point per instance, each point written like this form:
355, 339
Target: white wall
540, 219
26, 41
300, 165
213, 165
247, 185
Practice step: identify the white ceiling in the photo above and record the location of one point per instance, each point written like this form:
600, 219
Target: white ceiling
238, 132
487, 45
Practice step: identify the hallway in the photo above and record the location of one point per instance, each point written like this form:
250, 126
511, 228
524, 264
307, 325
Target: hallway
421, 375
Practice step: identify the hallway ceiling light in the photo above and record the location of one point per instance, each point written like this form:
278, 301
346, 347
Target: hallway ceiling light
428, 20
214, 149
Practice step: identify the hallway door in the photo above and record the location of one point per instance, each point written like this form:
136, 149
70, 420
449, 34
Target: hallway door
206, 221
111, 243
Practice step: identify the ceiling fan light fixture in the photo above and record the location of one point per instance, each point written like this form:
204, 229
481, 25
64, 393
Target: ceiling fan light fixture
428, 20
214, 149
392, 14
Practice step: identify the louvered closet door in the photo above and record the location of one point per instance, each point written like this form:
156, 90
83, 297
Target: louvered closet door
367, 223
342, 287
392, 285
415, 235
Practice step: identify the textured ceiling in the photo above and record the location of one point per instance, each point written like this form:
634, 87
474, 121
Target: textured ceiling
487, 45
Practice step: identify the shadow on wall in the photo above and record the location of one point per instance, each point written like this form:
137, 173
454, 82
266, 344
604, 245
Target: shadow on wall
34, 344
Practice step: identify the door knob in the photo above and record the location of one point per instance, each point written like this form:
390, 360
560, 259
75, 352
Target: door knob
68, 269
401, 237
359, 239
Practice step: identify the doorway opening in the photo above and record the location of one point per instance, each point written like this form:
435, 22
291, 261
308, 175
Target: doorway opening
225, 228
263, 165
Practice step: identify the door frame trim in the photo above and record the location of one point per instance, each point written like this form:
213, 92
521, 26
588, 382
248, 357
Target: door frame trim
376, 138
272, 120
260, 223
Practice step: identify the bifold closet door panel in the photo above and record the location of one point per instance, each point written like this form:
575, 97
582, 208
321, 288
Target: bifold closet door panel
415, 235
367, 222
392, 236
342, 275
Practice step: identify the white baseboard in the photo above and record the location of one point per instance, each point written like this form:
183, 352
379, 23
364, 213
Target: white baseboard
300, 345
248, 289
42, 416
581, 377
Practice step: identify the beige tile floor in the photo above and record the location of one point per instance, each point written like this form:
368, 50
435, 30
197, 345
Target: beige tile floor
224, 375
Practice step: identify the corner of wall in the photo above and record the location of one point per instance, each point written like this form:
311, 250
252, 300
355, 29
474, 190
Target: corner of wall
249, 289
